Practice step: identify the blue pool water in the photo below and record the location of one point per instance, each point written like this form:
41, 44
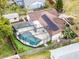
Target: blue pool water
28, 37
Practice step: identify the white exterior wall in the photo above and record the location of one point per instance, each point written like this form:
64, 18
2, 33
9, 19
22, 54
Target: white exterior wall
13, 20
56, 36
28, 18
12, 17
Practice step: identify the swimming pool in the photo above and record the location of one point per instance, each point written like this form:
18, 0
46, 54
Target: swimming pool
28, 37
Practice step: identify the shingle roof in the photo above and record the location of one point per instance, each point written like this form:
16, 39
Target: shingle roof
21, 25
67, 52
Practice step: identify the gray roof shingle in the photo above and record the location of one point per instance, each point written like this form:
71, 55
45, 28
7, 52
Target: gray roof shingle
67, 52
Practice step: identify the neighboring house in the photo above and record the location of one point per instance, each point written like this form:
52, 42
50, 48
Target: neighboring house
31, 4
49, 19
19, 2
67, 52
10, 2
13, 17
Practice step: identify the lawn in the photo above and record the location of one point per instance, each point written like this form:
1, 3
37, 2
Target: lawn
20, 46
42, 55
6, 50
72, 8
1, 41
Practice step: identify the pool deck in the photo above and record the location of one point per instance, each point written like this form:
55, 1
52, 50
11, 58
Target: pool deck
37, 31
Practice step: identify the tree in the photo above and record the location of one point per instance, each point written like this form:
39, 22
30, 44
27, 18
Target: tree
5, 28
59, 5
68, 33
3, 5
13, 8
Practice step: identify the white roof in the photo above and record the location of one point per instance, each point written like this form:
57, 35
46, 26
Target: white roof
37, 24
67, 52
11, 16
29, 3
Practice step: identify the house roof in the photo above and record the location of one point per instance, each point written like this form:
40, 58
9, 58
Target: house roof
52, 1
52, 15
32, 1
67, 52
21, 25
37, 14
33, 4
11, 16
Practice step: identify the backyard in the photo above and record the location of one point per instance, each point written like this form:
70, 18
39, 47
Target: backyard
20, 46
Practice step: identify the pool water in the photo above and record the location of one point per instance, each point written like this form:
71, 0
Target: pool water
28, 37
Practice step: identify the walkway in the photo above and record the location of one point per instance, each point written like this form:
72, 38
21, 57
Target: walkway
13, 57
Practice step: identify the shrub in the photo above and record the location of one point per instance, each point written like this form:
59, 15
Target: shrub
68, 33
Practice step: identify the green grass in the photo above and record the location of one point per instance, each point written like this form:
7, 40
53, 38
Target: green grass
6, 50
42, 55
72, 8
0, 41
20, 46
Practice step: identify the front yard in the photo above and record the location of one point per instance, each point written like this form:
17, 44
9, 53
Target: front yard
42, 55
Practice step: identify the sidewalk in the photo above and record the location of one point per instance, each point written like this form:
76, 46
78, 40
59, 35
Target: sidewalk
13, 57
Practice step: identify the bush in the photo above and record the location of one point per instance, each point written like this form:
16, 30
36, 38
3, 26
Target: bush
68, 33
59, 5
76, 39
46, 5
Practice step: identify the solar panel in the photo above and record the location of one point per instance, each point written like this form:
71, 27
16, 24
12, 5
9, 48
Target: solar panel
51, 25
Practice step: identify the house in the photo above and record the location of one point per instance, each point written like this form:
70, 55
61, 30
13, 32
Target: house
13, 17
66, 52
50, 21
31, 4
19, 2
10, 2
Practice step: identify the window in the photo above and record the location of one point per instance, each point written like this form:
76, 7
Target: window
15, 18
